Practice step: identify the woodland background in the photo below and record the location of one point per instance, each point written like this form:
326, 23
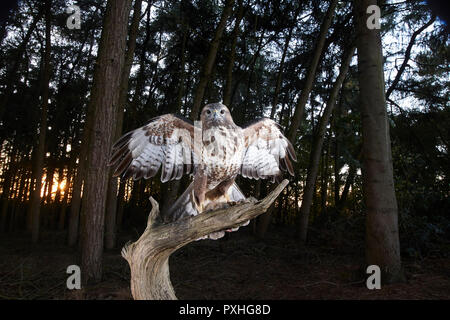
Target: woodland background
285, 60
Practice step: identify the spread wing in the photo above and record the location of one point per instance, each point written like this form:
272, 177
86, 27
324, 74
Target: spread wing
165, 141
268, 151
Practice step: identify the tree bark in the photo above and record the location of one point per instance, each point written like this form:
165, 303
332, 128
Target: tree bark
148, 257
111, 208
382, 239
311, 73
74, 218
80, 172
263, 221
105, 97
40, 152
6, 187
63, 210
317, 147
210, 59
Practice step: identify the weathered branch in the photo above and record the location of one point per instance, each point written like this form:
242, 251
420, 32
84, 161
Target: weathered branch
148, 257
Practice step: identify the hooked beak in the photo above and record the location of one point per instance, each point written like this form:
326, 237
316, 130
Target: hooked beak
215, 114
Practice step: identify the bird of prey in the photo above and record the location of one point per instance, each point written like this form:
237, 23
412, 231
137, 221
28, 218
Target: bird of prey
214, 150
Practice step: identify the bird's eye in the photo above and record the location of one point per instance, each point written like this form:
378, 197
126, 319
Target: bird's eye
222, 111
208, 111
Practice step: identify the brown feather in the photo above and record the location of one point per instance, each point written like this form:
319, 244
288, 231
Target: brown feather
118, 154
123, 165
123, 140
291, 151
289, 166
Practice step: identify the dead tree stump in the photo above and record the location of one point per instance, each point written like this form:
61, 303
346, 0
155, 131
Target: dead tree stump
148, 257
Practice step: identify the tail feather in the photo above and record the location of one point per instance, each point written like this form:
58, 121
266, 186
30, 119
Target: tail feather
184, 206
235, 193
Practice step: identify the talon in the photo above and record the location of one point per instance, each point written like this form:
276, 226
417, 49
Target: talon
216, 235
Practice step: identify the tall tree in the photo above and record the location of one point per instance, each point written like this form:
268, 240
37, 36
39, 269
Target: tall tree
105, 96
382, 239
231, 60
40, 149
210, 59
111, 208
79, 176
316, 150
311, 73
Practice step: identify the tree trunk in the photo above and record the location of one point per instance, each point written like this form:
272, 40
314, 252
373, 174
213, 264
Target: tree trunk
40, 152
19, 202
111, 214
324, 177
63, 210
58, 189
337, 163
382, 239
263, 221
230, 65
80, 172
74, 218
105, 96
6, 188
210, 59
79, 176
281, 67
148, 257
182, 77
111, 207
311, 73
317, 147
347, 185
50, 174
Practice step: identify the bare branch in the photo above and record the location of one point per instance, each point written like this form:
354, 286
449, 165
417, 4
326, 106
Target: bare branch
148, 257
407, 56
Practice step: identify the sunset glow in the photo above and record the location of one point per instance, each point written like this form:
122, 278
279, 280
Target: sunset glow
55, 186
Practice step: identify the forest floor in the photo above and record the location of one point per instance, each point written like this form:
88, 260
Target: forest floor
235, 267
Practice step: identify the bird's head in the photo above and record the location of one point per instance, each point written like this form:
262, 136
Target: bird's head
216, 114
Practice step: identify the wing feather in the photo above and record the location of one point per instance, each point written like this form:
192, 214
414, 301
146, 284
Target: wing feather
165, 141
268, 152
